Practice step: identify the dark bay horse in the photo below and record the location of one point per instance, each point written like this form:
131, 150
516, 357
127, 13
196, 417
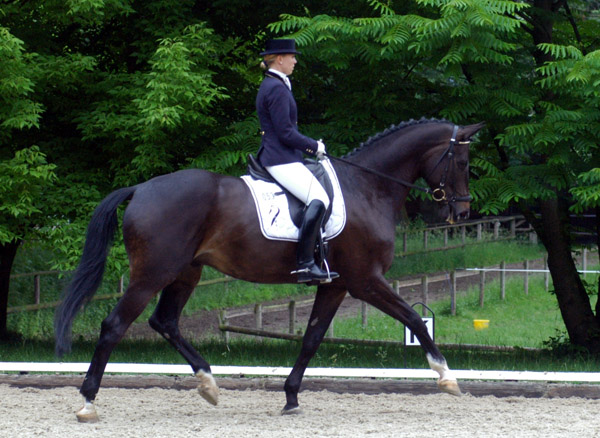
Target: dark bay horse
177, 223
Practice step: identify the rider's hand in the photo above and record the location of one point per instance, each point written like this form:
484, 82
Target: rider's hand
320, 149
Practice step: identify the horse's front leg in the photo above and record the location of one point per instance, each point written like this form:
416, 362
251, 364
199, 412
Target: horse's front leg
327, 301
381, 295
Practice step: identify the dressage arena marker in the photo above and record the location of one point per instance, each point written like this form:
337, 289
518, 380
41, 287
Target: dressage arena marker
390, 373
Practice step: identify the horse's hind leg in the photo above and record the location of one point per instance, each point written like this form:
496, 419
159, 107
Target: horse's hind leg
165, 321
327, 301
379, 294
130, 306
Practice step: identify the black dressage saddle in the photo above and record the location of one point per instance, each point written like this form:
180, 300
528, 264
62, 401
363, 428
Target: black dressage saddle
297, 207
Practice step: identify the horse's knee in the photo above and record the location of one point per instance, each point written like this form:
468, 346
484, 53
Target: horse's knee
167, 329
111, 331
155, 323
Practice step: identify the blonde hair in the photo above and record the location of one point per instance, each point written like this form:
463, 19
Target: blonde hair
267, 61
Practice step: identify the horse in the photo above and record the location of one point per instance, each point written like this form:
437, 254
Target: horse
177, 223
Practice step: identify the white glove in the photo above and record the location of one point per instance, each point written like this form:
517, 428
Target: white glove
320, 149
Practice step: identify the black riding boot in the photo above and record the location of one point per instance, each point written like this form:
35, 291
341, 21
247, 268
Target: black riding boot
309, 232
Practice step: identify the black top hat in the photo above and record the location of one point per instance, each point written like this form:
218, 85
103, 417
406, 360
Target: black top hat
280, 47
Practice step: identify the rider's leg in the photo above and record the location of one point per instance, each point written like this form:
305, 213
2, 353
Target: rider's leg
300, 182
297, 179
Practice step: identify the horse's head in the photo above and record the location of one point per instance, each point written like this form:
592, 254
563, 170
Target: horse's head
446, 170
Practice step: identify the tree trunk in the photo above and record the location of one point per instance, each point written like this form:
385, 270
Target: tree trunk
597, 211
575, 307
8, 251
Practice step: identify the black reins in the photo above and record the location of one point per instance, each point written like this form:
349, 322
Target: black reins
438, 194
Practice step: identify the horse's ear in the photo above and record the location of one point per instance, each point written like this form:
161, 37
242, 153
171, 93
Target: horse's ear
466, 132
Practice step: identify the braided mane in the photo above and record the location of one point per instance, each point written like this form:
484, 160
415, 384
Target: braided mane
391, 130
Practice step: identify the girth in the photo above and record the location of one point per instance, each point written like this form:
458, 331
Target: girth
296, 206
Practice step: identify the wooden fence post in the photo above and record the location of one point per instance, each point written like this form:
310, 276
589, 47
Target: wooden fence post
330, 329
526, 277
425, 293
36, 289
223, 321
513, 228
503, 280
533, 238
481, 287
546, 274
396, 287
292, 309
496, 230
463, 234
425, 239
584, 261
121, 284
479, 232
445, 237
453, 293
258, 316
364, 316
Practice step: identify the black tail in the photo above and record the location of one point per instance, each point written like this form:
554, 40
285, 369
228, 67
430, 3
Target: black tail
87, 278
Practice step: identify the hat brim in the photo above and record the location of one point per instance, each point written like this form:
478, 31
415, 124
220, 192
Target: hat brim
280, 52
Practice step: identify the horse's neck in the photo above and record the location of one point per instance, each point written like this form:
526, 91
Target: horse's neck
396, 161
397, 158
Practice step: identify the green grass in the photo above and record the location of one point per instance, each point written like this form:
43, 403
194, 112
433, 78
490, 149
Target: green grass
491, 253
435, 238
248, 352
36, 331
38, 324
518, 320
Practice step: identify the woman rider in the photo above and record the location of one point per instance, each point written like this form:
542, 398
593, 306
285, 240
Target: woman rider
282, 148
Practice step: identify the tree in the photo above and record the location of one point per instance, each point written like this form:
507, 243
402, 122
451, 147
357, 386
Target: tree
24, 180
530, 69
95, 94
113, 92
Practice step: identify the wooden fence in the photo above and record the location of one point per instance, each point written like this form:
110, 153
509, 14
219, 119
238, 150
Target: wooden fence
480, 226
424, 282
514, 225
52, 304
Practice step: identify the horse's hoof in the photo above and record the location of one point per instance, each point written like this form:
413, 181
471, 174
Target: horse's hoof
208, 388
450, 387
291, 411
87, 414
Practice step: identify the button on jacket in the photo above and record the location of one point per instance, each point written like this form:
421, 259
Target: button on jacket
278, 116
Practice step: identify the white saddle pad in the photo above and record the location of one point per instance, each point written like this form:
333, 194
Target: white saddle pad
274, 214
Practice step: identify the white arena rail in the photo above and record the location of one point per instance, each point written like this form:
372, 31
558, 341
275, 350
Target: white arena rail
390, 373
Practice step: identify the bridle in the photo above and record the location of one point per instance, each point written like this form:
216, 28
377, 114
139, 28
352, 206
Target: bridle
439, 193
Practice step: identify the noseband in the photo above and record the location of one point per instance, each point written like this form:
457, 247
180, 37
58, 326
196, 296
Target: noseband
439, 193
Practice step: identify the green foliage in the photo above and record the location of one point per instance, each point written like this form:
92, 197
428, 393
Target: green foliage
17, 109
24, 180
519, 320
147, 111
114, 92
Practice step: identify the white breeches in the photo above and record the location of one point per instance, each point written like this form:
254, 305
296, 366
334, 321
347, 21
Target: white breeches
300, 182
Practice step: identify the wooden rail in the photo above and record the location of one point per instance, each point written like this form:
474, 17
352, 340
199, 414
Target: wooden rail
52, 304
369, 342
424, 281
493, 222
